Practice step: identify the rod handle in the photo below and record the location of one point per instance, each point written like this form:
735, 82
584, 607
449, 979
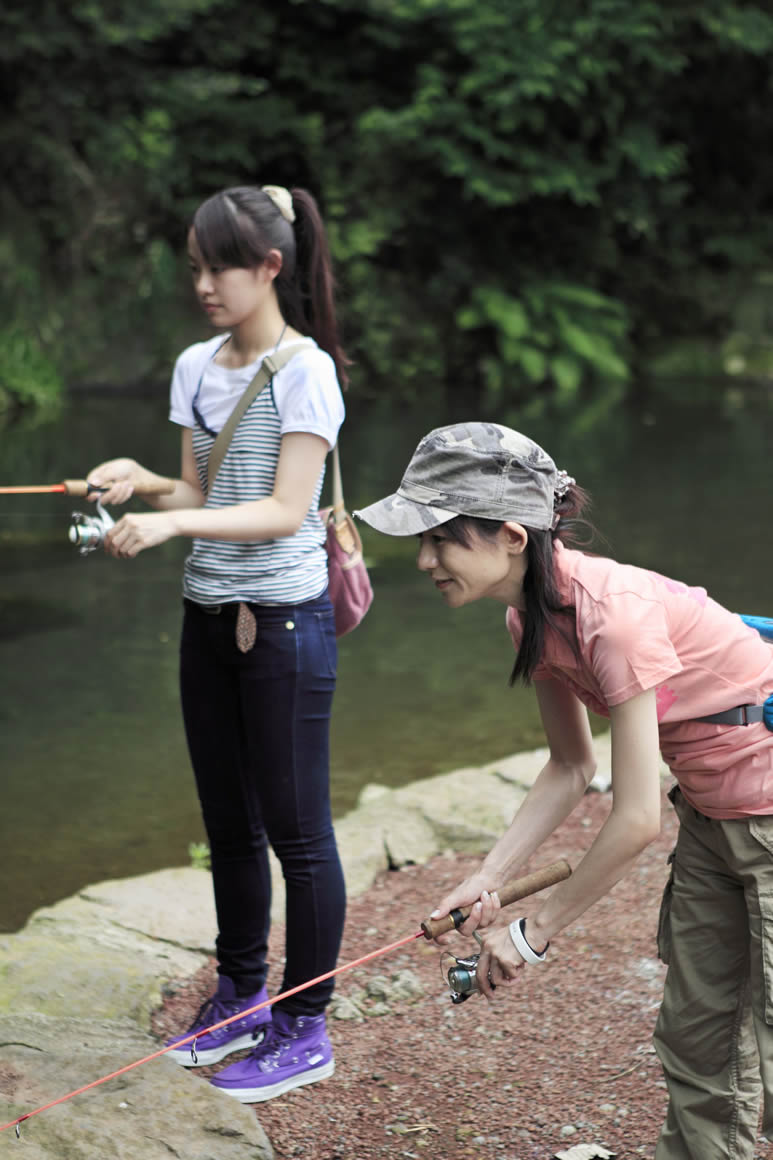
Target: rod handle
79, 487
510, 892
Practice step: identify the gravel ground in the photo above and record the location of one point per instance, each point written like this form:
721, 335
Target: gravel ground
563, 1059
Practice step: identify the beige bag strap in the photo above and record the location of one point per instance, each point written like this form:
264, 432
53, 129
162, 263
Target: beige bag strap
270, 365
339, 511
346, 533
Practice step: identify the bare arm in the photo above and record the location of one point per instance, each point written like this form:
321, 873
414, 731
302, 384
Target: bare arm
127, 476
633, 822
301, 459
555, 793
559, 786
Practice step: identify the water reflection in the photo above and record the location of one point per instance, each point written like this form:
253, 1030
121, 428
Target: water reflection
96, 781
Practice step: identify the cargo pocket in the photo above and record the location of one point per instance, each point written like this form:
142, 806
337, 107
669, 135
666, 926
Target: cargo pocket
761, 829
664, 917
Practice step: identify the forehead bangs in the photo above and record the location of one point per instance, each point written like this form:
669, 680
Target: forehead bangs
239, 226
226, 237
463, 529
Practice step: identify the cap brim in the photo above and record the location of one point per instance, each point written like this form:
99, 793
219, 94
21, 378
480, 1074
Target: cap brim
396, 516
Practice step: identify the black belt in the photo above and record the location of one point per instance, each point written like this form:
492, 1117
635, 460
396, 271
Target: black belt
232, 607
741, 715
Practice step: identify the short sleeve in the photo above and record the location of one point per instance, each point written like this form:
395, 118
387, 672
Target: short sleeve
308, 397
627, 646
185, 379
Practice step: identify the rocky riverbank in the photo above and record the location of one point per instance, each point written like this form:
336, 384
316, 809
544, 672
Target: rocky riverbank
80, 982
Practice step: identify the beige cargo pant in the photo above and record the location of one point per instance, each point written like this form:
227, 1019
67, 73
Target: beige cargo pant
714, 1034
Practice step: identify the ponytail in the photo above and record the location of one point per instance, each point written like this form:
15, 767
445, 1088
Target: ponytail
310, 295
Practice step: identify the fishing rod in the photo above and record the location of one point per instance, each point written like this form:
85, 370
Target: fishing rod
82, 488
511, 892
87, 532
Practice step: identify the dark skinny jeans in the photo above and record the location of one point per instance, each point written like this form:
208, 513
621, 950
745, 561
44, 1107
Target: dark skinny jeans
257, 725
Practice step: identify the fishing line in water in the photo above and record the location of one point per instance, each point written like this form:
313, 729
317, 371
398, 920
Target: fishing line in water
215, 1027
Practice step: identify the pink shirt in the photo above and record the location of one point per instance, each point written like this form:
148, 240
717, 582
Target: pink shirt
637, 630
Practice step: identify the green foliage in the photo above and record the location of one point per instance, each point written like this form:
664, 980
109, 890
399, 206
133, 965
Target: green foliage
521, 198
200, 855
26, 373
554, 334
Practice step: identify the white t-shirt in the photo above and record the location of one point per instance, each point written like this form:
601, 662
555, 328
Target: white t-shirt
306, 391
304, 396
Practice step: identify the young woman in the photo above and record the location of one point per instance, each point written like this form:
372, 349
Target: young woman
674, 672
258, 652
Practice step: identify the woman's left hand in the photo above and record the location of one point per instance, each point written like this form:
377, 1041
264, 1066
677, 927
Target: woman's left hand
499, 962
137, 531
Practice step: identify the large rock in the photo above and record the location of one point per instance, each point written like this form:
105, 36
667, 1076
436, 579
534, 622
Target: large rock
466, 810
77, 958
153, 1112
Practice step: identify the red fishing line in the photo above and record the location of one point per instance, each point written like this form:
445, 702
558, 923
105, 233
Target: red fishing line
215, 1027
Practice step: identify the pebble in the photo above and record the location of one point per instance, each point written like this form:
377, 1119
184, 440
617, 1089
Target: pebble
379, 1009
568, 1130
343, 1008
408, 985
378, 987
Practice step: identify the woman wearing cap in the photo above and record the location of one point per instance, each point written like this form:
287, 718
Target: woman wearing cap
676, 674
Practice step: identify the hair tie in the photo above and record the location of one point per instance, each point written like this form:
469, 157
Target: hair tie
563, 482
282, 199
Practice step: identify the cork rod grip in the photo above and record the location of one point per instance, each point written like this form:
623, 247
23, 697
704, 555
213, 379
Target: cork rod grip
510, 892
79, 487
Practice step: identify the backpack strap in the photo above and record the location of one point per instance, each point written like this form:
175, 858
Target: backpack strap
270, 366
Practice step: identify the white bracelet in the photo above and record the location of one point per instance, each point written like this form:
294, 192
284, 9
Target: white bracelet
526, 952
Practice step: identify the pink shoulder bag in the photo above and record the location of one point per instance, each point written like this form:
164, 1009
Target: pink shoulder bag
349, 585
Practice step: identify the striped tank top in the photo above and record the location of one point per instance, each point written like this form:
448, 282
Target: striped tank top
289, 570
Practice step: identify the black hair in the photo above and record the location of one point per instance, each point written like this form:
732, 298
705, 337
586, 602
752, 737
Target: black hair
239, 226
544, 608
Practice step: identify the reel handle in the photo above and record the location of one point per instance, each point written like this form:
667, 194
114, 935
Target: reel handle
79, 487
510, 892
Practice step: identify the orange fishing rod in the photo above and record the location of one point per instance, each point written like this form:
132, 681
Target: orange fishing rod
511, 892
81, 488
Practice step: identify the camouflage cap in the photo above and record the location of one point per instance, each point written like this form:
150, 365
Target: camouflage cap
469, 469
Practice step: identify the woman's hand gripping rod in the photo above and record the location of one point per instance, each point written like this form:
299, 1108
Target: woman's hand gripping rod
510, 892
461, 974
88, 532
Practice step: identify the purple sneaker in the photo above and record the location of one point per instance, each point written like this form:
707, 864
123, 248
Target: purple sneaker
295, 1051
236, 1036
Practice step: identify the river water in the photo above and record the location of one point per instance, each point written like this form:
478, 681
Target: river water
95, 776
